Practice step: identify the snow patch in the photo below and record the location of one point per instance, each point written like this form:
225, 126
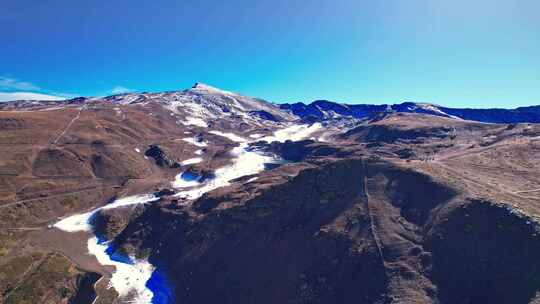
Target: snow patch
81, 222
131, 200
432, 108
245, 162
75, 223
230, 136
191, 161
193, 141
294, 133
200, 87
127, 278
252, 179
181, 181
195, 121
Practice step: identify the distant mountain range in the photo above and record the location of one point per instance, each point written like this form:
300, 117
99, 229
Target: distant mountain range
324, 109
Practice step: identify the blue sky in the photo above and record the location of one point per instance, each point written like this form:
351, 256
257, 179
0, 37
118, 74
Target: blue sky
454, 53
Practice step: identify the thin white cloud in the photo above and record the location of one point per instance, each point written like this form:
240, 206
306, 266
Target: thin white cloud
16, 89
7, 83
9, 96
120, 90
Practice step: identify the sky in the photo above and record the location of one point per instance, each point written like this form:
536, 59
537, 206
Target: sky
459, 53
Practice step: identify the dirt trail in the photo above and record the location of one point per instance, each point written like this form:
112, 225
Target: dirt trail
372, 227
69, 125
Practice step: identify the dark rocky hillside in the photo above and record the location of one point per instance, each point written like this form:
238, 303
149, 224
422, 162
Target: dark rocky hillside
396, 233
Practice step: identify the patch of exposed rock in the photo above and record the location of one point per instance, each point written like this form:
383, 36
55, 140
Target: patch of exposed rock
161, 157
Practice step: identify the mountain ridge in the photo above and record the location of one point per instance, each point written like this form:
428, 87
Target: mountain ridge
324, 109
317, 110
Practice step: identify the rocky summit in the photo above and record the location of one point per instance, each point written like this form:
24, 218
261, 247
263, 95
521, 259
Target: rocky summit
207, 196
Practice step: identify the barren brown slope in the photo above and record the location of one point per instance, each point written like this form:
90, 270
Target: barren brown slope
61, 161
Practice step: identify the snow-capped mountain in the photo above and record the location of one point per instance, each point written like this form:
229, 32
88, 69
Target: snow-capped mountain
202, 104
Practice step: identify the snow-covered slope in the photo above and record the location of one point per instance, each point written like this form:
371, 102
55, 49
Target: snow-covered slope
208, 107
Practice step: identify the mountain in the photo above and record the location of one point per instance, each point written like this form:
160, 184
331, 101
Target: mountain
204, 102
323, 109
204, 195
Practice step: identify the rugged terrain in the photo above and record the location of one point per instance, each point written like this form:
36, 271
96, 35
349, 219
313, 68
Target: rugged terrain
406, 203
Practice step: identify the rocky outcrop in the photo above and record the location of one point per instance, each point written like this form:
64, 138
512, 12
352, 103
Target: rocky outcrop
161, 158
85, 294
164, 192
108, 223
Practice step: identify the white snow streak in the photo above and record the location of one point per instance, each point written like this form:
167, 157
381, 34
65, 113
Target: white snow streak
191, 161
294, 133
195, 121
230, 136
244, 163
127, 277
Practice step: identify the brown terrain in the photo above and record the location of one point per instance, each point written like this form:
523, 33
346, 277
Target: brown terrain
402, 208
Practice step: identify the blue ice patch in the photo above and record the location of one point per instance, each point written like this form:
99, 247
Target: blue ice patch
160, 287
190, 176
117, 256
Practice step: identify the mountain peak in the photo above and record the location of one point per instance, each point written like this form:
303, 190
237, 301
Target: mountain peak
203, 87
